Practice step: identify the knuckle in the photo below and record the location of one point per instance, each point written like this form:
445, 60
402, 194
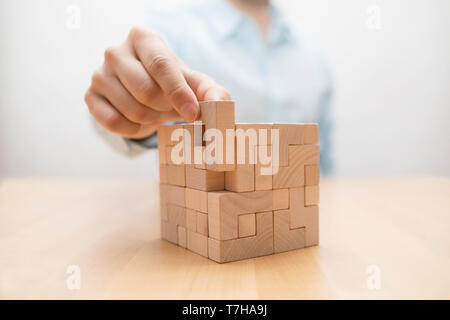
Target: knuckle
112, 122
177, 91
112, 54
139, 114
159, 64
88, 98
97, 78
146, 92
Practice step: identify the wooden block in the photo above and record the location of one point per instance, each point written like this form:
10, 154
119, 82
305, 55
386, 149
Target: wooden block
286, 239
263, 181
162, 203
294, 175
248, 138
249, 247
288, 177
312, 234
201, 165
263, 133
172, 194
191, 219
197, 243
242, 179
176, 215
303, 216
197, 200
283, 144
290, 134
164, 140
247, 225
162, 134
163, 211
248, 202
202, 223
176, 155
283, 152
312, 228
224, 207
280, 199
162, 154
168, 151
218, 115
214, 250
307, 217
304, 155
168, 134
311, 175
297, 208
176, 175
311, 195
169, 231
163, 178
203, 179
293, 133
300, 215
311, 134
214, 213
193, 143
182, 237
162, 143
296, 199
188, 138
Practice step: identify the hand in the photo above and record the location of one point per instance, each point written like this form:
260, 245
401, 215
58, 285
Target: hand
142, 84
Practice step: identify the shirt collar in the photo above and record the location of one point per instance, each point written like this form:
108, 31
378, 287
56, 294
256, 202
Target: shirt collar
280, 30
227, 20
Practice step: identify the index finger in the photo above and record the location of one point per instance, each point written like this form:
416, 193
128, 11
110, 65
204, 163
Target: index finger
161, 65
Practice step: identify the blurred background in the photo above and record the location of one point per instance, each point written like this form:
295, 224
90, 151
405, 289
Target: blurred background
390, 60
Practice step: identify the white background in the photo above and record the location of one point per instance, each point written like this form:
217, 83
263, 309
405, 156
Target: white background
392, 100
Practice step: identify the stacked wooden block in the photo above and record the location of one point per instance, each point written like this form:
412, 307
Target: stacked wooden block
231, 211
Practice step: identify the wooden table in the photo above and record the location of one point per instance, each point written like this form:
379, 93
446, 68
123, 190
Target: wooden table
110, 229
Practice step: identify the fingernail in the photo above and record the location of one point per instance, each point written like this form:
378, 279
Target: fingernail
189, 111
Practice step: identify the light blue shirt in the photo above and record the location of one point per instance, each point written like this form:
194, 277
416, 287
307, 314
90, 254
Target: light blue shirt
284, 78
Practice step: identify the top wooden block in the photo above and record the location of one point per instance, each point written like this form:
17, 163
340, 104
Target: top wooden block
311, 133
290, 133
218, 115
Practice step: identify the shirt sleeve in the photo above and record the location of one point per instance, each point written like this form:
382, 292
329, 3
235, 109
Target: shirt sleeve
151, 142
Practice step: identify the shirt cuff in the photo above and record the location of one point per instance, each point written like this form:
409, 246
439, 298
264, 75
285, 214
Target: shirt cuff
150, 142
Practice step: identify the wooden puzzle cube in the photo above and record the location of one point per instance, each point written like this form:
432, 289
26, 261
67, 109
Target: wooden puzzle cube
259, 196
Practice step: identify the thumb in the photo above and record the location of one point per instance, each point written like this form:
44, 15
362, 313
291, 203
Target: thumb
216, 93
